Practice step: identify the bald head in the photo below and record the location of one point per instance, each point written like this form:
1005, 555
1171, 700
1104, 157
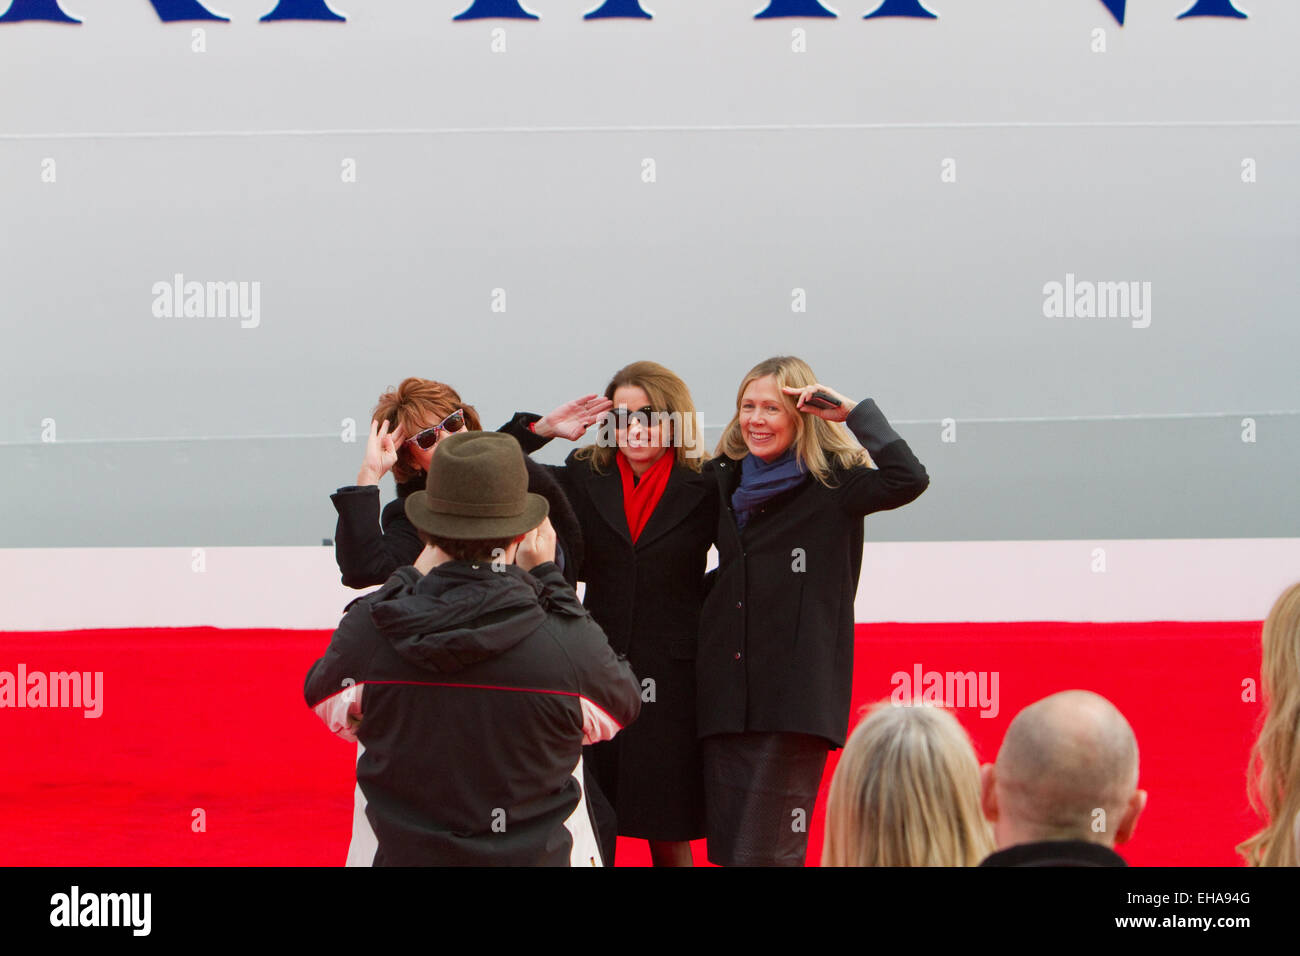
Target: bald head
1067, 770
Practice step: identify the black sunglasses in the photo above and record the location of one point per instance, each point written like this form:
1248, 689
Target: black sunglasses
451, 424
623, 415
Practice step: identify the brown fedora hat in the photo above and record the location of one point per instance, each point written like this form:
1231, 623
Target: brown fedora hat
477, 488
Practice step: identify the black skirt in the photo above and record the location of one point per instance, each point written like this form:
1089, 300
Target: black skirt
760, 790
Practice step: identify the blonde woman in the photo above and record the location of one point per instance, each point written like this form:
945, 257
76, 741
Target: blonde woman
906, 792
775, 662
1273, 783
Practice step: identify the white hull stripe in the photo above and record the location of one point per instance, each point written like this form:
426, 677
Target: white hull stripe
1193, 579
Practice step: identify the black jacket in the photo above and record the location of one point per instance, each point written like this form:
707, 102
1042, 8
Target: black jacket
1056, 853
647, 597
369, 550
473, 691
776, 633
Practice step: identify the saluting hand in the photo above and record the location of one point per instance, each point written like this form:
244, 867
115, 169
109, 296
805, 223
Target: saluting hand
837, 414
572, 419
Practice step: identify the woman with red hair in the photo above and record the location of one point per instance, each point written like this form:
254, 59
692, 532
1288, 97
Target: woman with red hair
407, 424
406, 427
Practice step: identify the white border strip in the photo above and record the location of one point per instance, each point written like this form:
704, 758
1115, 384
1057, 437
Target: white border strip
1191, 579
51, 589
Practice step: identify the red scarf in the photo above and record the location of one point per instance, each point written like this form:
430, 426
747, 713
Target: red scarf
639, 502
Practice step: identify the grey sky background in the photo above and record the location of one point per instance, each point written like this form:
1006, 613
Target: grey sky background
774, 171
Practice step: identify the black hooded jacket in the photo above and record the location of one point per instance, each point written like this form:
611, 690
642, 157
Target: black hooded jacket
473, 690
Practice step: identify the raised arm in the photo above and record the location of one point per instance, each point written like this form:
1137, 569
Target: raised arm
368, 551
570, 420
898, 477
522, 428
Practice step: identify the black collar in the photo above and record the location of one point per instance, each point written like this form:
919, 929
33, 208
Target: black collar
1056, 853
412, 485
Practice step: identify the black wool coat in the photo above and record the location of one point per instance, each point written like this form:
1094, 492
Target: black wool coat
647, 598
775, 648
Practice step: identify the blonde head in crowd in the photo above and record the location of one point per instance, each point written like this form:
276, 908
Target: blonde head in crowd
906, 792
1273, 778
669, 397
819, 445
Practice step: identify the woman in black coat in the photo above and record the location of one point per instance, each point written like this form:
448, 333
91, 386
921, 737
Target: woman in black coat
775, 655
370, 546
648, 517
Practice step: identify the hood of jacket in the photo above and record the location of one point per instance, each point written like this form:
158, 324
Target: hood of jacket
460, 613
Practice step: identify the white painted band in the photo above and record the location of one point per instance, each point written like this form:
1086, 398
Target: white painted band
977, 581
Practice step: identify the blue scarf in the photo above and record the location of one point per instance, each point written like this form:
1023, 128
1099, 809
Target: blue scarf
761, 480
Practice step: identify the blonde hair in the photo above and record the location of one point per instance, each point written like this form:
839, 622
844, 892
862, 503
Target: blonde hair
906, 792
1273, 776
819, 445
668, 394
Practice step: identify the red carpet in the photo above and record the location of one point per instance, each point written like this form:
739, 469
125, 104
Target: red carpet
203, 719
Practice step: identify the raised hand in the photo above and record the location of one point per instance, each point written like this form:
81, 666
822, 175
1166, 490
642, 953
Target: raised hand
537, 547
381, 453
838, 414
572, 419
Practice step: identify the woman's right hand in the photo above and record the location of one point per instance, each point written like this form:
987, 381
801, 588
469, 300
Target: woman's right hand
572, 419
381, 453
